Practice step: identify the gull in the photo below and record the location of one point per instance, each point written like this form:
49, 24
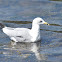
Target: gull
25, 34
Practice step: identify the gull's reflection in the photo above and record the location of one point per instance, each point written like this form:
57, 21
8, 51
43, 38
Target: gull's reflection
34, 47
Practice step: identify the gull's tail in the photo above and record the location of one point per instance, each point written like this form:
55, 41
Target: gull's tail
2, 25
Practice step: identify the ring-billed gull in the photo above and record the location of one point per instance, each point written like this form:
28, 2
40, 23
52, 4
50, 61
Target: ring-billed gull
25, 34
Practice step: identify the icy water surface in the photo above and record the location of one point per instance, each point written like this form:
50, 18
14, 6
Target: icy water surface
20, 13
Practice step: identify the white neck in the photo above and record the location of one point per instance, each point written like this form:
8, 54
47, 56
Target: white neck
35, 32
35, 27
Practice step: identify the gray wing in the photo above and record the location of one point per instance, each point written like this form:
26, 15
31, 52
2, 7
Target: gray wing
20, 34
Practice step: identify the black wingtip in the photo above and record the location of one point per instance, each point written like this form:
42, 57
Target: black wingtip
2, 25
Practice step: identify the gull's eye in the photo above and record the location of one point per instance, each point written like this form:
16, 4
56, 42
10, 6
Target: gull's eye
40, 21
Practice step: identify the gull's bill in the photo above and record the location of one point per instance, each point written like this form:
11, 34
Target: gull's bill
46, 23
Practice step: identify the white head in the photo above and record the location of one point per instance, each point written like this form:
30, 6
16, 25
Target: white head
39, 21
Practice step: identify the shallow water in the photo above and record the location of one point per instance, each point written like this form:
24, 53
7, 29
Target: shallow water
20, 13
